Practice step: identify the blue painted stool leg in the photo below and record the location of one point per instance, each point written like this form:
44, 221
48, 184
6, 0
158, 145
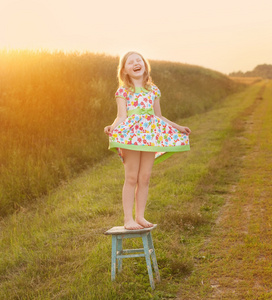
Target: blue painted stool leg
119, 249
153, 256
148, 261
113, 257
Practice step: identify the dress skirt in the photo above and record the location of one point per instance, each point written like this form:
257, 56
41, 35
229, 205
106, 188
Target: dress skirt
142, 130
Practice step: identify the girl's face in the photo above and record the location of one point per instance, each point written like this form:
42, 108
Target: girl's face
134, 66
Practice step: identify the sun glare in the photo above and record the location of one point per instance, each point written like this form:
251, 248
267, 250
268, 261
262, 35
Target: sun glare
211, 34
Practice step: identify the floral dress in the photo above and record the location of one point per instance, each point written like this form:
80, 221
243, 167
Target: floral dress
142, 130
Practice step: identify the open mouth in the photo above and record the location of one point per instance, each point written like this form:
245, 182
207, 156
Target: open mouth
137, 69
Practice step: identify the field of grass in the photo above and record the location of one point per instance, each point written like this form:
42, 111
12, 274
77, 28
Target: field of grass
54, 106
246, 80
236, 260
55, 248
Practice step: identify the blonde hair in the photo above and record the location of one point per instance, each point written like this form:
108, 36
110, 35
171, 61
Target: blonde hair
125, 80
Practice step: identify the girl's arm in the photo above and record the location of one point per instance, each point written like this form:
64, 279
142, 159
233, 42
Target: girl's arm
157, 110
121, 115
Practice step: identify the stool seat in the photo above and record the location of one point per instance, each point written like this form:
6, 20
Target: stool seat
123, 230
119, 233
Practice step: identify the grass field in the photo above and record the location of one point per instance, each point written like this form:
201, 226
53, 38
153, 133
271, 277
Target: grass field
55, 247
246, 80
236, 259
54, 106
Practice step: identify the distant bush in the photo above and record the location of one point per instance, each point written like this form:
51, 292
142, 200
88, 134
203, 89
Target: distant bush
263, 71
53, 107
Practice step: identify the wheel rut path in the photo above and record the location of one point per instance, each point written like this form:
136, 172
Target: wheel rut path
237, 257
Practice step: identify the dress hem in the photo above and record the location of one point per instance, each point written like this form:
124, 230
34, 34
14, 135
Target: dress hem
113, 146
182, 148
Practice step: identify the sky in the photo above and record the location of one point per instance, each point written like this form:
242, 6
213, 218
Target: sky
226, 36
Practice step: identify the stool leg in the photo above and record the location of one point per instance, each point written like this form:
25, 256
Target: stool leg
113, 257
148, 261
153, 255
119, 249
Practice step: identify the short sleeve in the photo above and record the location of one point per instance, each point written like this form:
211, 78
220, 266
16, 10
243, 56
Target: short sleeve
122, 93
156, 92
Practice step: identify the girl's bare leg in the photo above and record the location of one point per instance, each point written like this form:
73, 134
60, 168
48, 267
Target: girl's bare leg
132, 164
146, 164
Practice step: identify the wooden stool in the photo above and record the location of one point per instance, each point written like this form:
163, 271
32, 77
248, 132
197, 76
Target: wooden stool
119, 233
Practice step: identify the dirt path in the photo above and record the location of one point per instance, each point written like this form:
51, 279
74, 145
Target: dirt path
237, 259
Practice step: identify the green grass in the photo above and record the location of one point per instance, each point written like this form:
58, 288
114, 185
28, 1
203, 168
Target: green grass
55, 247
237, 262
54, 106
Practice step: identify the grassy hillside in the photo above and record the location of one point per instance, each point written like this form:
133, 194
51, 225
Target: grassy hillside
53, 107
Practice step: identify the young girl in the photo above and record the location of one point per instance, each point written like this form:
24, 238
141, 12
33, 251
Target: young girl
140, 134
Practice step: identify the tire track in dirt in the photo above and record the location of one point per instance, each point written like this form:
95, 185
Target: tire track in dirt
237, 255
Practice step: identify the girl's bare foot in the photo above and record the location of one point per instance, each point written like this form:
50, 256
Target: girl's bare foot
132, 225
144, 222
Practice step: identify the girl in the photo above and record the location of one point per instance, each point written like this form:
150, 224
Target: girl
140, 134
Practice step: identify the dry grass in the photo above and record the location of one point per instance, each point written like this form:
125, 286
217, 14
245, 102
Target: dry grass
246, 80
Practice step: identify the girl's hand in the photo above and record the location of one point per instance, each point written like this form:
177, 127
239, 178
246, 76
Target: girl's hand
107, 129
185, 130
